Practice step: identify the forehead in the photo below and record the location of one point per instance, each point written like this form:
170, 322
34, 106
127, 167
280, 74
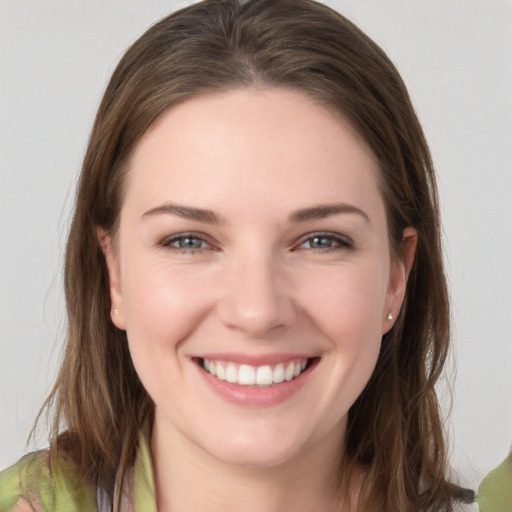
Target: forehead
251, 143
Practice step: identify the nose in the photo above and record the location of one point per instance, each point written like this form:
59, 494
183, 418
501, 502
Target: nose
257, 298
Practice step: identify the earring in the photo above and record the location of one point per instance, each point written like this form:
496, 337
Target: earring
390, 316
115, 312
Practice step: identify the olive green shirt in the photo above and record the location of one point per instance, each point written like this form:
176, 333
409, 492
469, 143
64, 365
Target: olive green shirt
495, 491
30, 485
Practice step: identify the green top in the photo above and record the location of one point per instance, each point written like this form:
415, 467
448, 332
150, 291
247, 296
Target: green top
29, 485
495, 491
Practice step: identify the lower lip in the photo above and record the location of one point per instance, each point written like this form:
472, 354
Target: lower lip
254, 396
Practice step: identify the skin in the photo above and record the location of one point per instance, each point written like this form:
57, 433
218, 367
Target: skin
256, 282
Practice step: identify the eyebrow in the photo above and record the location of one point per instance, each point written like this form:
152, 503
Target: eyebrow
320, 211
186, 212
326, 210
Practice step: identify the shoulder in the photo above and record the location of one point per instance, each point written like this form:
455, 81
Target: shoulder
23, 484
495, 491
33, 484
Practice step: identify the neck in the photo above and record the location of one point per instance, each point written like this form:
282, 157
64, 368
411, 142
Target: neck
188, 479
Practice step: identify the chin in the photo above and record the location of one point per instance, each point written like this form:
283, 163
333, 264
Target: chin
260, 447
254, 456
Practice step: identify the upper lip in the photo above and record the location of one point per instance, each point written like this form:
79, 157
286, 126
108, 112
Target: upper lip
252, 359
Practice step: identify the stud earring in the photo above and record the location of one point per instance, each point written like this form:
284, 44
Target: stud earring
390, 316
115, 312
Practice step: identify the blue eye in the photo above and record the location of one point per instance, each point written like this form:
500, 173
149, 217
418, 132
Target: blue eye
325, 242
320, 242
186, 242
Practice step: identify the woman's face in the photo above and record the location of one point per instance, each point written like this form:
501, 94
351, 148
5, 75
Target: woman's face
252, 274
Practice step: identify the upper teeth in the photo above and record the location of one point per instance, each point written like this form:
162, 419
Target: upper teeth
246, 375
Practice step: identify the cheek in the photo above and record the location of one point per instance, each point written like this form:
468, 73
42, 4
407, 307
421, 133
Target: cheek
347, 303
163, 304
345, 306
163, 308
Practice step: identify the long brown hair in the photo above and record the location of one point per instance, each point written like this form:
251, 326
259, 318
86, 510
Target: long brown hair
395, 430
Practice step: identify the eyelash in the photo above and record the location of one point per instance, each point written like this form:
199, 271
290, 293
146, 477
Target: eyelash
167, 243
338, 243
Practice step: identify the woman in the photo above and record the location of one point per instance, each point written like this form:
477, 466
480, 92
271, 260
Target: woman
256, 301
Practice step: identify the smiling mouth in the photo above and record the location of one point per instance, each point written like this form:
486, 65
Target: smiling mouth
260, 376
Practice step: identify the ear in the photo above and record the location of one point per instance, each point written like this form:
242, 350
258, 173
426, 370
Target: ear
401, 267
114, 278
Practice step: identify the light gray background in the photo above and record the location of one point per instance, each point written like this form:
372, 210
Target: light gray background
455, 56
